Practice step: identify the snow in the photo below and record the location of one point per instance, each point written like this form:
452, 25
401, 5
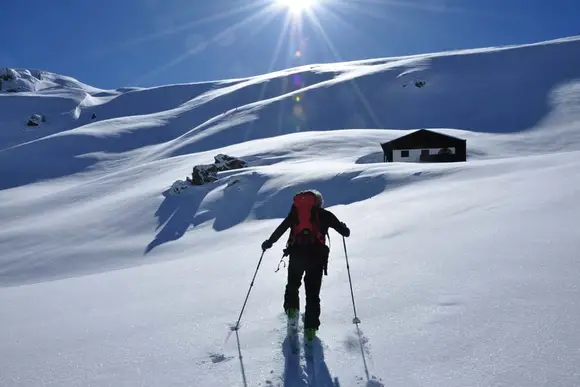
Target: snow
464, 274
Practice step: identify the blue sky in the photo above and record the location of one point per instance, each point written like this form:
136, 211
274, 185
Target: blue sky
115, 43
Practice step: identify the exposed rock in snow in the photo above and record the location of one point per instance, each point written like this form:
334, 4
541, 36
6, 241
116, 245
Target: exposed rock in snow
20, 80
226, 163
8, 74
36, 119
178, 187
207, 173
203, 174
12, 82
418, 83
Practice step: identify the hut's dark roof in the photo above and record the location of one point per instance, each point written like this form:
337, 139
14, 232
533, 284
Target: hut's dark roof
423, 138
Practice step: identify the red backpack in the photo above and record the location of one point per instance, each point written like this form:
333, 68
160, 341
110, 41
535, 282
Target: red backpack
305, 228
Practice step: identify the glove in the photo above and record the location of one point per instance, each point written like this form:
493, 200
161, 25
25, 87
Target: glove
345, 230
266, 245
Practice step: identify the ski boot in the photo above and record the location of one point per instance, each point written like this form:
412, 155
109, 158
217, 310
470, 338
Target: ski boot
291, 313
292, 330
310, 334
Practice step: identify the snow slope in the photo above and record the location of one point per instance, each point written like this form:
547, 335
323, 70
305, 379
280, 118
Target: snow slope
464, 274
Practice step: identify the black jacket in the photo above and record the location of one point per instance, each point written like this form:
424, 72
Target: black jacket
327, 220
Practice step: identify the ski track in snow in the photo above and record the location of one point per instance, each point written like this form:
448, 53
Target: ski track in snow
464, 274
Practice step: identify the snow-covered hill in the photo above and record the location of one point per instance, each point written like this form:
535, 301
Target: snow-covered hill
464, 274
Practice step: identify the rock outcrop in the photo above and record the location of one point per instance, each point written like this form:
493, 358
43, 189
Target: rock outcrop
36, 119
12, 81
226, 163
203, 174
207, 173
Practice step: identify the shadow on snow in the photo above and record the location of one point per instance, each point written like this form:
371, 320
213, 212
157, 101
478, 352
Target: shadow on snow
316, 369
229, 204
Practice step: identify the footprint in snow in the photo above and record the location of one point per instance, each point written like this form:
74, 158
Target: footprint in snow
448, 306
219, 358
450, 300
352, 343
373, 382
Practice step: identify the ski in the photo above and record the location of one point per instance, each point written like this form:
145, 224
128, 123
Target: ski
310, 366
293, 335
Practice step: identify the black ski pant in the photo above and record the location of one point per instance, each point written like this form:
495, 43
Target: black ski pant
309, 263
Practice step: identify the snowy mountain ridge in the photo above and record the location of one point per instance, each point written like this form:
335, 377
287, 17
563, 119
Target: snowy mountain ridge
464, 274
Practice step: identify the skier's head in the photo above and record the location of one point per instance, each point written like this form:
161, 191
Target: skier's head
319, 198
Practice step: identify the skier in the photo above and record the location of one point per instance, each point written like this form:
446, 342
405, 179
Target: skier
308, 223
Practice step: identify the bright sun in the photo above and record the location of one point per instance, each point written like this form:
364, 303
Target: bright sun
297, 6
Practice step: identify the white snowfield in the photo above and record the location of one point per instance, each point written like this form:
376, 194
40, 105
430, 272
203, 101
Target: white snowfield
464, 274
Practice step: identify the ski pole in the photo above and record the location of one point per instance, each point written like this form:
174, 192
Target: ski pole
235, 328
356, 320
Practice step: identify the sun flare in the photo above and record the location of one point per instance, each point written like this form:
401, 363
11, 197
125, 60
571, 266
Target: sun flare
297, 6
